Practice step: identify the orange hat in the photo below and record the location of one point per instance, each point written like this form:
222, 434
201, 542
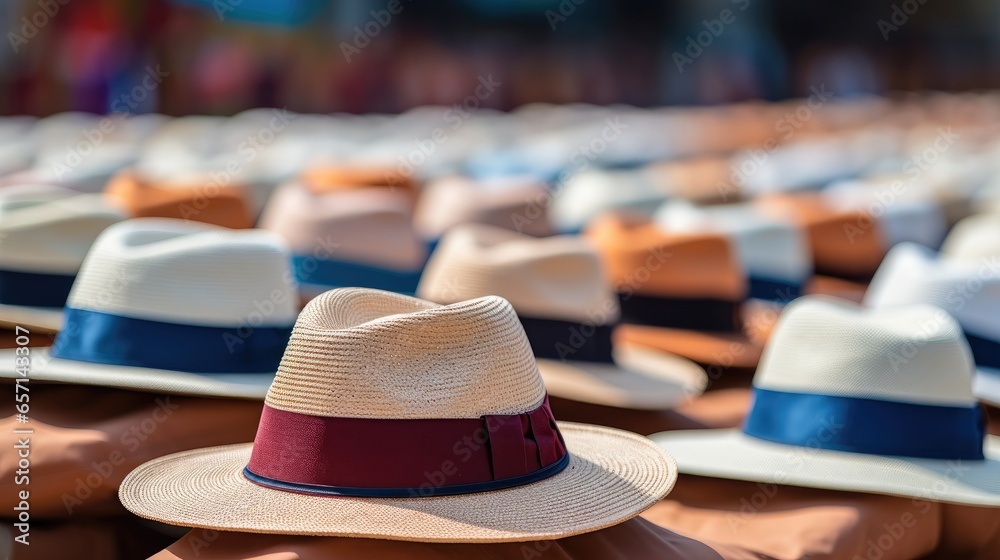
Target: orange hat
326, 178
682, 292
204, 200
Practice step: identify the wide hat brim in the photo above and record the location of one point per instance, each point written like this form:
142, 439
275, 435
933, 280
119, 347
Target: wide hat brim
731, 454
46, 369
612, 476
641, 379
42, 319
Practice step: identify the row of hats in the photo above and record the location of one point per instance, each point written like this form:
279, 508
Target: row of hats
880, 397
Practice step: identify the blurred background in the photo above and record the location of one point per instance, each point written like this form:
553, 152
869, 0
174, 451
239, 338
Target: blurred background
225, 56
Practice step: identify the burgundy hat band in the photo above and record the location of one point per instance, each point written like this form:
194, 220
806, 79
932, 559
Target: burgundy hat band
404, 457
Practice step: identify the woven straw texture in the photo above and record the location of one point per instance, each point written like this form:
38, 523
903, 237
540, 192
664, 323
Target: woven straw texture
362, 353
188, 273
612, 477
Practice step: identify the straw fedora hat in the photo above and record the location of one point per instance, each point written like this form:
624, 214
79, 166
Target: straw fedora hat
45, 233
775, 253
589, 193
568, 310
468, 450
200, 198
515, 203
681, 293
968, 290
362, 238
973, 239
174, 307
861, 400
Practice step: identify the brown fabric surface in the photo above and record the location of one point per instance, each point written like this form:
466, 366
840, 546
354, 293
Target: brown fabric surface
790, 522
837, 287
222, 205
86, 439
726, 349
118, 538
633, 540
8, 338
725, 408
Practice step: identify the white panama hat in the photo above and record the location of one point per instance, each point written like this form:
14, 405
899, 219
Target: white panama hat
861, 400
568, 309
173, 307
774, 252
45, 232
967, 289
973, 239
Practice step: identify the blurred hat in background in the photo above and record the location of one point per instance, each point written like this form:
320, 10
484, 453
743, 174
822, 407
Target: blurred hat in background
178, 307
201, 198
45, 233
860, 400
569, 311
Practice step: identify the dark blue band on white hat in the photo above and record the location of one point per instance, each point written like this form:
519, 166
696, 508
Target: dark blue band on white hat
553, 339
697, 314
870, 426
103, 338
986, 352
341, 274
771, 289
32, 289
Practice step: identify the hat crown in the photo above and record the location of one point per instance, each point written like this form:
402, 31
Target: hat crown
188, 273
914, 354
969, 290
544, 278
974, 238
361, 353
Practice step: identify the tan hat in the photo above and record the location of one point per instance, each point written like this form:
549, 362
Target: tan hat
682, 293
568, 309
515, 203
203, 200
361, 237
467, 449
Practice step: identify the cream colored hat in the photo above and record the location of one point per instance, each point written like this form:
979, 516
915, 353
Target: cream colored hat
589, 193
362, 237
973, 239
515, 203
568, 309
774, 252
174, 307
45, 233
968, 289
466, 447
860, 400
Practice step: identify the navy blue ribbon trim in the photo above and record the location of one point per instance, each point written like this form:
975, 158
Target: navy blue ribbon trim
774, 290
427, 491
565, 340
342, 274
697, 314
986, 352
869, 426
34, 289
102, 338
